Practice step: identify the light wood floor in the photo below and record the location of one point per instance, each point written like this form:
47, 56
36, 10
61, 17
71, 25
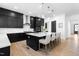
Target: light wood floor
68, 47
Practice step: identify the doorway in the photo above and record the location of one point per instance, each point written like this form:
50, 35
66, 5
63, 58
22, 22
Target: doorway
76, 27
53, 26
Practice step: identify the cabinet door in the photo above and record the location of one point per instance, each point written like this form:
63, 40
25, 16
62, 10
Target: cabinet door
37, 29
3, 11
3, 21
12, 22
38, 22
7, 12
42, 21
20, 22
32, 22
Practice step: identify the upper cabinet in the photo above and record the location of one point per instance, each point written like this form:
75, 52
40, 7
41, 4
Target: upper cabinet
20, 22
10, 19
39, 21
32, 22
12, 22
3, 21
36, 23
9, 13
42, 21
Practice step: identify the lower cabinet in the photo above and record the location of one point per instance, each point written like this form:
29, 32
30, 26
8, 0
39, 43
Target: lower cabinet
33, 42
14, 37
5, 51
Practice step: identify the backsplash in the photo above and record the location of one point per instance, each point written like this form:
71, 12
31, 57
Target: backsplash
10, 30
16, 30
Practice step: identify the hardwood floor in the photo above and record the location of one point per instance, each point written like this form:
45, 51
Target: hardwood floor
68, 47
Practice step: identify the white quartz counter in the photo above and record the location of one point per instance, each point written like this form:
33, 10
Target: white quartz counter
38, 34
4, 41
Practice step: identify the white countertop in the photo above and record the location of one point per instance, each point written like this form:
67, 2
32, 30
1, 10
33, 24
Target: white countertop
39, 34
4, 41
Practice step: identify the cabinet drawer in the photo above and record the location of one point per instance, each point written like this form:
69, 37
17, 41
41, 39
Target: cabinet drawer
15, 37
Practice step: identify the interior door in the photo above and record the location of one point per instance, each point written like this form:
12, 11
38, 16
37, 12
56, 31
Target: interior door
53, 26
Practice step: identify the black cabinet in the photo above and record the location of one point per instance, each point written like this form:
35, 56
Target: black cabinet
33, 41
5, 51
3, 21
15, 37
4, 11
11, 13
37, 29
20, 22
15, 22
42, 21
32, 22
10, 19
12, 22
36, 23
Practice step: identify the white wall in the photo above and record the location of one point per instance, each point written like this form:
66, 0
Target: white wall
67, 21
68, 29
68, 24
59, 19
74, 19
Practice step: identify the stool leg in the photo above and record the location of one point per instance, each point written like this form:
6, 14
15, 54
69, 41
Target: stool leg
46, 47
50, 45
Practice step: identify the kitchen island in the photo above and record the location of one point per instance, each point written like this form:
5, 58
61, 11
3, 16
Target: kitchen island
33, 39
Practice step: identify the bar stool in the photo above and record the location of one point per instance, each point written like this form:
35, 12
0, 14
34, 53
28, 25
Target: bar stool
58, 38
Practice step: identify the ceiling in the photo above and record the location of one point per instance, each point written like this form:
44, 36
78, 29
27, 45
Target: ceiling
43, 9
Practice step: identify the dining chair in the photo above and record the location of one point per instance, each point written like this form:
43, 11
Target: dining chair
58, 38
53, 37
45, 41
